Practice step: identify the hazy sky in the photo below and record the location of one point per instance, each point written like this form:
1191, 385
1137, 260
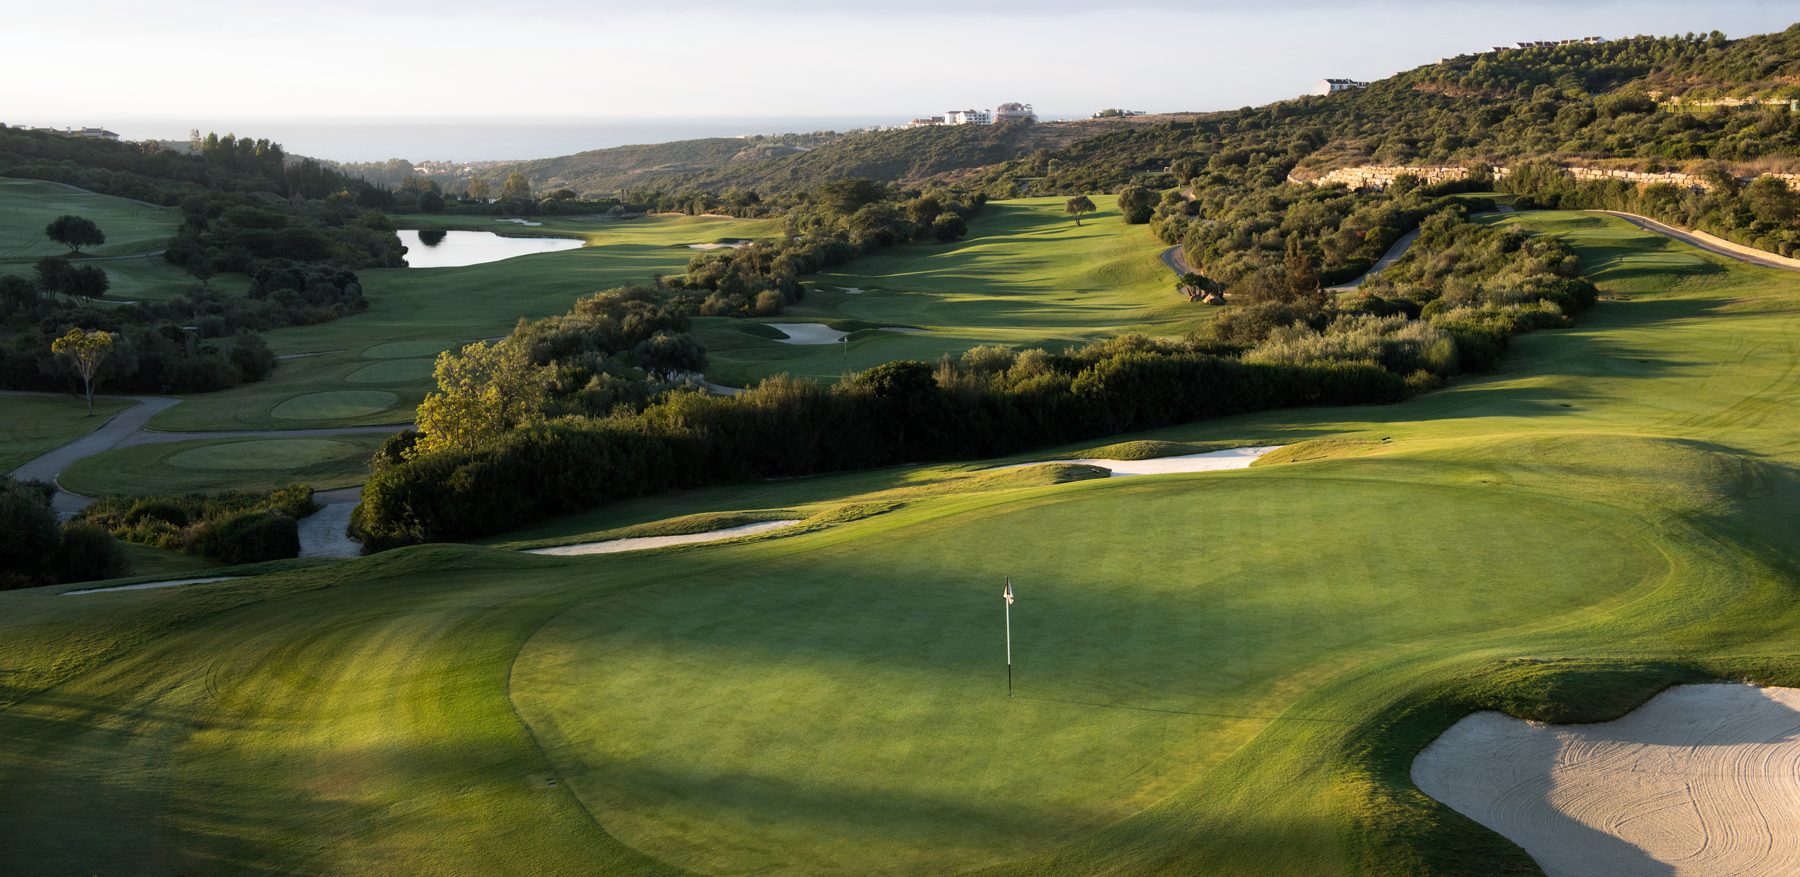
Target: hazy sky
106, 60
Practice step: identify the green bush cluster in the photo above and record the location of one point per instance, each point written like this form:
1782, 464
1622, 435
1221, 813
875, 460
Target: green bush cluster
36, 551
234, 527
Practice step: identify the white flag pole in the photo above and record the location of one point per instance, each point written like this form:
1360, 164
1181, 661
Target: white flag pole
1009, 692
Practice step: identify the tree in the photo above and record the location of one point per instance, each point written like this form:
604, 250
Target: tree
87, 351
203, 270
479, 189
1136, 204
483, 391
948, 227
74, 232
1078, 205
430, 201
88, 281
516, 186
665, 354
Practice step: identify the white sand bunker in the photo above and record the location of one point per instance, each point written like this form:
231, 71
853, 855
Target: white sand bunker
807, 333
720, 245
614, 546
146, 586
1702, 780
1211, 461
852, 290
520, 221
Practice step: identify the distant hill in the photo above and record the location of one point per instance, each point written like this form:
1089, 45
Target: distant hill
798, 162
1649, 101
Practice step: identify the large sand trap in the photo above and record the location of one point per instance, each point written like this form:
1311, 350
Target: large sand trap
146, 586
614, 546
733, 245
520, 221
1702, 780
807, 333
1211, 461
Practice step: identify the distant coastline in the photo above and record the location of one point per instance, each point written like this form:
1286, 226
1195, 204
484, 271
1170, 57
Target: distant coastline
468, 139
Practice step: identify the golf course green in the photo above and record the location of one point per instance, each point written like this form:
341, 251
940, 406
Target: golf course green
1025, 276
203, 465
1223, 672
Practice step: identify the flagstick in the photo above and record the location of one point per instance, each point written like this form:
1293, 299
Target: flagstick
1009, 639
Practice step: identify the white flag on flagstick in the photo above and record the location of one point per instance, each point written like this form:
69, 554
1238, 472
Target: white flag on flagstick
1008, 593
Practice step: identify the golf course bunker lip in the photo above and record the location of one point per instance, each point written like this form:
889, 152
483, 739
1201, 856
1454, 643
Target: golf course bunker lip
639, 543
1701, 780
150, 586
1211, 461
807, 333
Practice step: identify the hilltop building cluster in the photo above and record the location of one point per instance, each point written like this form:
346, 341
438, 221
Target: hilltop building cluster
1334, 86
1008, 112
1544, 44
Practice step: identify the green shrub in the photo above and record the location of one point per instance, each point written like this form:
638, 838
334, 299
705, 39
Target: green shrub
87, 553
28, 534
250, 537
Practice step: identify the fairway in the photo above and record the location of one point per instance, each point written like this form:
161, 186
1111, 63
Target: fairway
1025, 276
26, 206
1224, 672
415, 314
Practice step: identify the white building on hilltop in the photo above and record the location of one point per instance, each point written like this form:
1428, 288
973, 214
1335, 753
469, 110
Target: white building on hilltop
1334, 86
968, 117
1015, 112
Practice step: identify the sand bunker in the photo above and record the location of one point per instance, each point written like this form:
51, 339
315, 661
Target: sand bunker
852, 290
724, 245
1702, 780
614, 546
520, 221
1211, 461
807, 333
145, 586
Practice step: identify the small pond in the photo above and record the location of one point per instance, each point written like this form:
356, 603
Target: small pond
457, 248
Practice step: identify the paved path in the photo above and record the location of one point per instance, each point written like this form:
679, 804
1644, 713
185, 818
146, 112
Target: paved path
128, 428
1176, 260
1709, 243
1393, 255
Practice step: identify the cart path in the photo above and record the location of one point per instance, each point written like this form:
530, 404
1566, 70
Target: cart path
128, 428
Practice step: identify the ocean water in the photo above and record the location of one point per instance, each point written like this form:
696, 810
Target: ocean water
475, 139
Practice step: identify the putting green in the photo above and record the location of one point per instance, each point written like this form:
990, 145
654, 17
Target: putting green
793, 751
266, 454
407, 349
210, 465
393, 371
334, 404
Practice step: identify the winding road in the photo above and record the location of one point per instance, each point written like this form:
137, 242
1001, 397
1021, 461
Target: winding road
321, 534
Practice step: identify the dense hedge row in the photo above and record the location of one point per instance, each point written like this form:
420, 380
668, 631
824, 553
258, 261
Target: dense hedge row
899, 412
